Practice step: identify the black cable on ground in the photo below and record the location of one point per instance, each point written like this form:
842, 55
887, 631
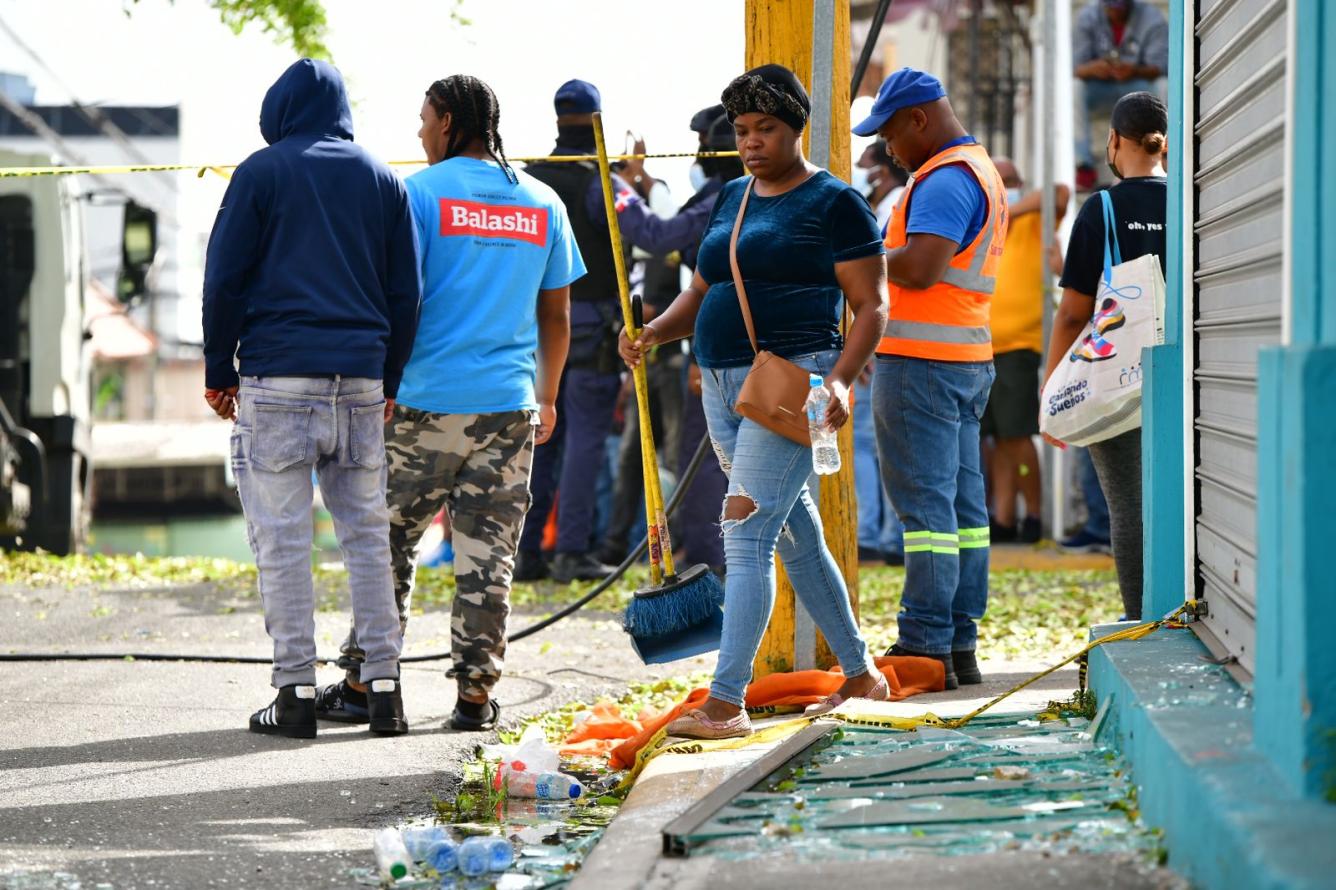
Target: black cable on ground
679, 493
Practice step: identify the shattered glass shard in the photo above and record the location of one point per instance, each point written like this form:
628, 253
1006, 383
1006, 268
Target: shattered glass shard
924, 812
880, 765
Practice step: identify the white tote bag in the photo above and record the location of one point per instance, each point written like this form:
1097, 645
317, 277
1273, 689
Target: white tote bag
1094, 394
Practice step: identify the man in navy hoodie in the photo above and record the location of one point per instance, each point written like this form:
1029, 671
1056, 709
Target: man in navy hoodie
311, 285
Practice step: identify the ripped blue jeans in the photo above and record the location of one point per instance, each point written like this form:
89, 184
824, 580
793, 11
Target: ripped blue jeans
772, 473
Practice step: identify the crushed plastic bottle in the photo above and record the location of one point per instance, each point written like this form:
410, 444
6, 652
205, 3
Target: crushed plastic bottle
391, 855
825, 447
418, 841
443, 855
474, 856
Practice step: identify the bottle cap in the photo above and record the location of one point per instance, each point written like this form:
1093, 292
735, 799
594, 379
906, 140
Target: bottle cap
815, 380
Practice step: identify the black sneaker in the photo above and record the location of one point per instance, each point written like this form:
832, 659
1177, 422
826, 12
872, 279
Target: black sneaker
870, 554
895, 558
292, 714
952, 682
473, 717
529, 566
611, 554
385, 707
341, 703
967, 667
1002, 534
568, 567
1031, 531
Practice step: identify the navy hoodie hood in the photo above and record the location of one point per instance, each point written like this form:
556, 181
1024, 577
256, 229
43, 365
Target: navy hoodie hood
312, 263
308, 100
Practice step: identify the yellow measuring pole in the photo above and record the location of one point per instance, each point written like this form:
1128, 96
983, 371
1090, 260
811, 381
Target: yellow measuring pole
781, 31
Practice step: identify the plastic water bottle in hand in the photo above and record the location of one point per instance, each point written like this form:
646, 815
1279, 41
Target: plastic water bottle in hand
825, 447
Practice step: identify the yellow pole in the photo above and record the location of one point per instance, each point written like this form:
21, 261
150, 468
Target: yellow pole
660, 546
780, 31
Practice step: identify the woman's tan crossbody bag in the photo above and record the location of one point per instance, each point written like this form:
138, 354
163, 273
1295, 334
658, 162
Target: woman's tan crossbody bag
775, 391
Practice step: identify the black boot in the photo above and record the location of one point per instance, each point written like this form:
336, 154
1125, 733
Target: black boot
385, 702
967, 667
292, 714
529, 566
951, 680
568, 567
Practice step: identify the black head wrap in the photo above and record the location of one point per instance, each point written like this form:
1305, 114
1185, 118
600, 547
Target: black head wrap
770, 89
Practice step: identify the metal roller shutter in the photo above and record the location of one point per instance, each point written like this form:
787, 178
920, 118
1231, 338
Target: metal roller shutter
1239, 130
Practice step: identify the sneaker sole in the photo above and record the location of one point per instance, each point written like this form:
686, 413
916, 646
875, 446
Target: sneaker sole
342, 717
969, 679
290, 732
389, 727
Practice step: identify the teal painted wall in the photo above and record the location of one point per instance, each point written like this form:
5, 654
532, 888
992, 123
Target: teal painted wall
1295, 725
1162, 445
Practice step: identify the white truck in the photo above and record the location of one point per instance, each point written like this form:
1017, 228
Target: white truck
45, 362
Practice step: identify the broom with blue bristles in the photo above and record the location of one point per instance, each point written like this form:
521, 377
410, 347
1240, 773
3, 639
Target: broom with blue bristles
676, 616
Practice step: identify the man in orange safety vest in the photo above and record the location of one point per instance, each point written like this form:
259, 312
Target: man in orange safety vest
935, 365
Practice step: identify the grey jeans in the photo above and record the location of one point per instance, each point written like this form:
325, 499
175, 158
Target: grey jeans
286, 427
1118, 465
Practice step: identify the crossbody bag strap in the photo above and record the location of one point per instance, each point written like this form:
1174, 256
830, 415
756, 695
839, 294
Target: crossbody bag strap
737, 273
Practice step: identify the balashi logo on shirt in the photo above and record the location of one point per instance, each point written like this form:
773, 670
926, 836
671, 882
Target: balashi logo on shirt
493, 221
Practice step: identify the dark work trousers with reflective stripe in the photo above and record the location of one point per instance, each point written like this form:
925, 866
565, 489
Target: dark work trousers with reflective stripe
927, 417
584, 422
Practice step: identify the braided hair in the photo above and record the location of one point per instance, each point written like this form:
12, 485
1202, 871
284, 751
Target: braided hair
475, 114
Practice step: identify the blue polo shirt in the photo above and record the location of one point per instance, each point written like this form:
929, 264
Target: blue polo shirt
948, 203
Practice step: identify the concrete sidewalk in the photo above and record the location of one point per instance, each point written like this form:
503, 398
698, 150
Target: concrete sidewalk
144, 775
630, 853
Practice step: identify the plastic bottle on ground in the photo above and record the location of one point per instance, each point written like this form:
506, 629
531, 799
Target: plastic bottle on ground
543, 786
391, 855
443, 855
474, 856
418, 841
500, 854
825, 447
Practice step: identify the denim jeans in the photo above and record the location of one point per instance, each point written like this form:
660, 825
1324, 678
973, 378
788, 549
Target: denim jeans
1099, 96
773, 473
928, 416
878, 526
286, 427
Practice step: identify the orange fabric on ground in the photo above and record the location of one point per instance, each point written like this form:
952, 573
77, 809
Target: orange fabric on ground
906, 676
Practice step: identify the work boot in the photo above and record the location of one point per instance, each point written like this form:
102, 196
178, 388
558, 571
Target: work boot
529, 566
568, 567
292, 714
385, 704
967, 667
952, 682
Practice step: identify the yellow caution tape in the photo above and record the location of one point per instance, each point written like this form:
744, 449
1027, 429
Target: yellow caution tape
853, 717
221, 169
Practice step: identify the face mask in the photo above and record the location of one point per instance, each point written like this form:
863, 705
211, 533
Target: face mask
1014, 195
860, 181
697, 176
1109, 155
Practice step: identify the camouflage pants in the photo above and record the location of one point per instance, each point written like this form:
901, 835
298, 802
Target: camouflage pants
476, 466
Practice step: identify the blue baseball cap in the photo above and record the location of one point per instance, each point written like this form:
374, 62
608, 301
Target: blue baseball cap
903, 89
577, 97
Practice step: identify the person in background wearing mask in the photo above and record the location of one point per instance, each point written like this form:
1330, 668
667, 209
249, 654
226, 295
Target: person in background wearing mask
1012, 415
592, 378
1118, 47
881, 180
1135, 154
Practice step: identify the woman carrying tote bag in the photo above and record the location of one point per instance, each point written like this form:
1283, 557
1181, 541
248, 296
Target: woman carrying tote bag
799, 242
1135, 153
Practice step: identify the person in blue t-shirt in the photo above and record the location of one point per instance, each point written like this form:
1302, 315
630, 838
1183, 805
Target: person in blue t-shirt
480, 389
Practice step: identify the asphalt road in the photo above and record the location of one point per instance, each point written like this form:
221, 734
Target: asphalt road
143, 775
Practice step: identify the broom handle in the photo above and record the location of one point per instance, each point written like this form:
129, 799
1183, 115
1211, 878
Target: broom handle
660, 549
